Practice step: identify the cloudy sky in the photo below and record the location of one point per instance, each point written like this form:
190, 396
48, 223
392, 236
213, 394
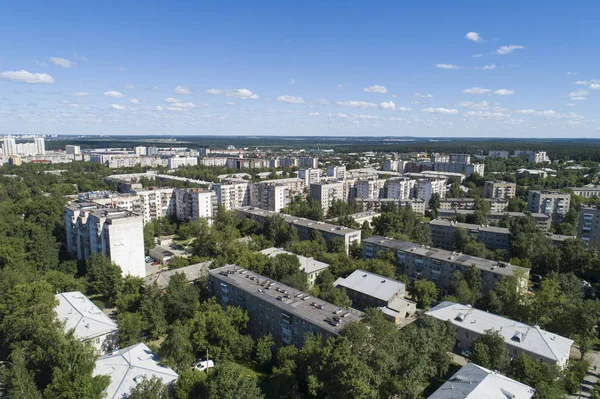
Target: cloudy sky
435, 68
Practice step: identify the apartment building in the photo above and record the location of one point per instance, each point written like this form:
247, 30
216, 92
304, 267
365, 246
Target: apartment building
73, 150
538, 157
391, 165
498, 154
308, 162
116, 233
553, 203
443, 233
425, 188
501, 190
361, 217
588, 191
40, 146
310, 176
475, 382
178, 162
277, 309
195, 203
305, 227
496, 205
371, 188
337, 172
269, 196
542, 221
310, 266
520, 338
438, 265
460, 158
417, 205
326, 192
234, 194
589, 226
370, 290
9, 146
88, 322
401, 188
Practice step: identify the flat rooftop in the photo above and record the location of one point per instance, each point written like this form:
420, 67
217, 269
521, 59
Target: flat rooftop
475, 382
298, 221
286, 298
468, 226
520, 335
77, 312
542, 216
191, 272
307, 265
371, 284
502, 268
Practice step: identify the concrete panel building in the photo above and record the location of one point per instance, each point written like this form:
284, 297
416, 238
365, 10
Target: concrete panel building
519, 337
195, 203
542, 221
475, 382
417, 205
326, 192
496, 205
501, 190
337, 172
425, 189
310, 176
236, 194
116, 233
310, 266
370, 188
553, 203
277, 309
443, 234
588, 191
589, 226
401, 188
437, 265
88, 322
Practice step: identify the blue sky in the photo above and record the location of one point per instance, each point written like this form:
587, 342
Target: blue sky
429, 68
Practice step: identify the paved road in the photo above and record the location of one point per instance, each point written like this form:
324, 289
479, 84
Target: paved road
591, 379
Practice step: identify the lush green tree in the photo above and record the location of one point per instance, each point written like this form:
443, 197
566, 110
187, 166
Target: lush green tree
264, 350
434, 203
424, 292
489, 351
191, 384
104, 277
153, 311
542, 376
62, 282
177, 350
284, 374
228, 381
152, 388
180, 299
17, 381
131, 327
279, 232
178, 262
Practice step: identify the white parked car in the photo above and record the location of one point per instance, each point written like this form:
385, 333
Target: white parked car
203, 365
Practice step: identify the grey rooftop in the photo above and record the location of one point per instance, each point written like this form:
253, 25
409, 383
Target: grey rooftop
77, 312
371, 284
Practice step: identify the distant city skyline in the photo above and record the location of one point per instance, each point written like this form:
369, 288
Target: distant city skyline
466, 69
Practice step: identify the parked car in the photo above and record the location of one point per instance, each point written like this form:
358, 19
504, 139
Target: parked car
203, 365
155, 263
466, 353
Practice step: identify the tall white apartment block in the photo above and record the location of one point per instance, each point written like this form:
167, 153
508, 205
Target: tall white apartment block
73, 149
309, 162
236, 194
139, 150
426, 188
310, 176
499, 190
391, 165
40, 146
177, 162
401, 188
327, 192
155, 203
553, 203
369, 189
337, 172
271, 197
460, 158
195, 203
538, 157
9, 146
116, 233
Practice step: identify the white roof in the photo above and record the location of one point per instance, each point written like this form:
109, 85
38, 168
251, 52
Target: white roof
371, 284
77, 312
307, 265
528, 338
475, 382
126, 367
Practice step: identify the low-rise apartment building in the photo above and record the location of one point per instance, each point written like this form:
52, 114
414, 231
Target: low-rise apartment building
417, 205
438, 265
310, 266
116, 233
88, 322
588, 191
361, 217
553, 203
277, 309
370, 290
305, 227
542, 221
499, 190
520, 338
589, 226
443, 233
496, 205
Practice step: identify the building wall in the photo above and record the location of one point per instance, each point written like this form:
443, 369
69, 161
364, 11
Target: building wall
499, 190
554, 204
589, 226
327, 193
442, 236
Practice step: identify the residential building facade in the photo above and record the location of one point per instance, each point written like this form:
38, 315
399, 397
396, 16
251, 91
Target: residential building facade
443, 233
326, 192
195, 203
236, 194
589, 226
553, 203
501, 190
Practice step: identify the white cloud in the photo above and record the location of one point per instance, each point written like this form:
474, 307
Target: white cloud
422, 95
117, 107
476, 90
387, 105
376, 89
508, 49
404, 109
26, 77
472, 105
134, 101
172, 100
571, 105
487, 67
595, 86
571, 73
340, 86
63, 62
114, 94
323, 102
290, 99
79, 57
230, 103
549, 112
129, 86
182, 90
180, 105
159, 108
338, 114
525, 111
356, 104
447, 66
446, 111
578, 98
479, 55
79, 94
313, 114
293, 81
40, 64
579, 94
504, 92
154, 88
474, 37
581, 82
243, 94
